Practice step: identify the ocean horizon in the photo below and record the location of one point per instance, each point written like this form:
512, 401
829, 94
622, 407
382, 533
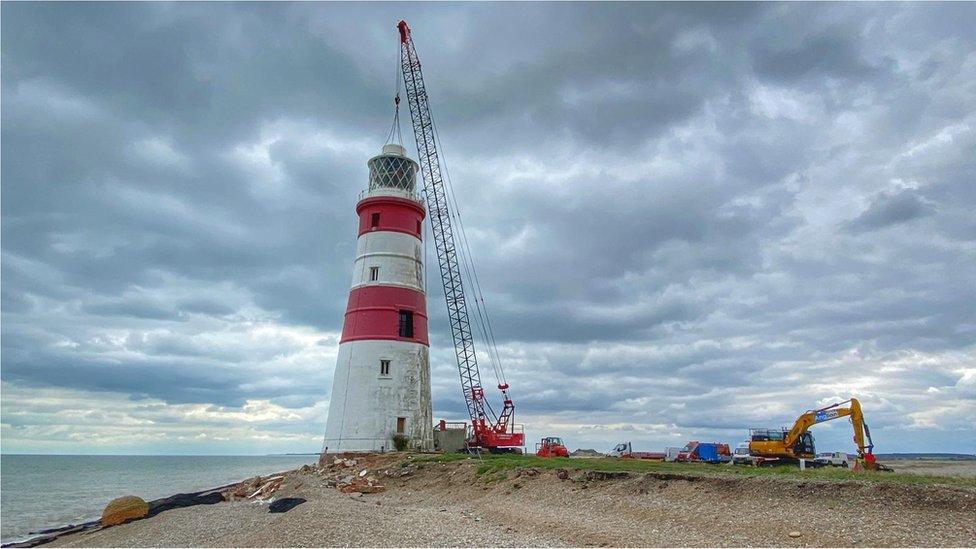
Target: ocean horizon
41, 491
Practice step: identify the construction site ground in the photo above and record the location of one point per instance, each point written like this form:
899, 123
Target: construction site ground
449, 500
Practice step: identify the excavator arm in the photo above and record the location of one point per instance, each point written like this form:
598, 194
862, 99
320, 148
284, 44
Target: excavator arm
834, 411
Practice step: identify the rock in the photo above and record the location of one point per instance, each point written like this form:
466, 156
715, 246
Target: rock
363, 472
795, 534
562, 474
285, 504
124, 509
370, 489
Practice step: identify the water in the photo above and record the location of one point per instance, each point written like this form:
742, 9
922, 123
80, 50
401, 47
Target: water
38, 492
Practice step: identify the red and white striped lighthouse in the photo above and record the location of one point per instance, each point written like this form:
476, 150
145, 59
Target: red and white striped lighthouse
381, 386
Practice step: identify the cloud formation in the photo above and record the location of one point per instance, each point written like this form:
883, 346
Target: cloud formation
688, 219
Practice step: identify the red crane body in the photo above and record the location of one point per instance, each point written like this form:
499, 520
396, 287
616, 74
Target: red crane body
489, 431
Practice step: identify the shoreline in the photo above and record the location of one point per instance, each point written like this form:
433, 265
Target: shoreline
156, 506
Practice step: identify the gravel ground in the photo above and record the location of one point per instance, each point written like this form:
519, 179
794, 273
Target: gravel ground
449, 505
937, 467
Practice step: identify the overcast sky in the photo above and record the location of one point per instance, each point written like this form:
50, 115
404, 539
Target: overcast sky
688, 220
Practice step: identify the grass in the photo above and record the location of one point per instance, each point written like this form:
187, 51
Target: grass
494, 467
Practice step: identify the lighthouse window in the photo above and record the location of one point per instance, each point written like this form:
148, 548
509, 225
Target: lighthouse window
418, 227
374, 274
374, 220
384, 367
406, 323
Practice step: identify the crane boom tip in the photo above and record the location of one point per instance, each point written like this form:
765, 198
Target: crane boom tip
404, 31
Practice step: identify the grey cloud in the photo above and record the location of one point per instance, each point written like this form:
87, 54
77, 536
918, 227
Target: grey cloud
661, 200
887, 209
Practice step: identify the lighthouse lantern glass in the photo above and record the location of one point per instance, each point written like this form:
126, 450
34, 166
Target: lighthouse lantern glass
392, 172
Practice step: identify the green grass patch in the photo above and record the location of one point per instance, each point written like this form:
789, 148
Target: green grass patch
494, 465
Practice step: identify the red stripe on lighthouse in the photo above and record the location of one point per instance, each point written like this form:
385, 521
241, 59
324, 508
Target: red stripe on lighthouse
390, 213
373, 312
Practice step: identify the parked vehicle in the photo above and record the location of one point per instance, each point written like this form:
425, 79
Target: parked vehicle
796, 443
741, 455
671, 453
708, 452
551, 447
833, 459
624, 450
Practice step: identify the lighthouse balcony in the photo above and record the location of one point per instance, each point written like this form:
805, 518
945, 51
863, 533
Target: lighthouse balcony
390, 191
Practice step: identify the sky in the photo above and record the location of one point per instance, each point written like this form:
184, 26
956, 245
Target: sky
688, 219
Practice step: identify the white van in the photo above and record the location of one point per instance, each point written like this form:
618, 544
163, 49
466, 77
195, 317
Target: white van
834, 459
741, 456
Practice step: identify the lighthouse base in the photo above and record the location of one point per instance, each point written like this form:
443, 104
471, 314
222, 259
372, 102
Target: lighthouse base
381, 390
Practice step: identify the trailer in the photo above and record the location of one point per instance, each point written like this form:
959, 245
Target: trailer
625, 450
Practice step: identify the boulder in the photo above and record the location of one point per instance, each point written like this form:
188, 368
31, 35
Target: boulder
124, 509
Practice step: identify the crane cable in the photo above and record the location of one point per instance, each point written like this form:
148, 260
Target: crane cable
395, 128
468, 262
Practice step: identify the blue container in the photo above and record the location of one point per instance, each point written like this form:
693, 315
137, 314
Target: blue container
708, 452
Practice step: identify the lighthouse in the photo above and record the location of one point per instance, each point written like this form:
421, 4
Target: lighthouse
381, 387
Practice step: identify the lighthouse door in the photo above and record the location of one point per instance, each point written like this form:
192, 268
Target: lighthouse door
401, 425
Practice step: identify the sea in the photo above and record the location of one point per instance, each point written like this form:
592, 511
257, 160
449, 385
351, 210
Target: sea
39, 492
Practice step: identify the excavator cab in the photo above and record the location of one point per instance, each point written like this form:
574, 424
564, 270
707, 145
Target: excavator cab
805, 446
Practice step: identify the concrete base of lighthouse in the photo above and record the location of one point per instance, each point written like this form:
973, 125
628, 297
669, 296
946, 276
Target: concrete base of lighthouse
369, 407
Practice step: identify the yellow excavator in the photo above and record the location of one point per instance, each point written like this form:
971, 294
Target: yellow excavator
780, 445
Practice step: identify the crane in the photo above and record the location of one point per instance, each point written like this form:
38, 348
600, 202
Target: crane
495, 433
798, 443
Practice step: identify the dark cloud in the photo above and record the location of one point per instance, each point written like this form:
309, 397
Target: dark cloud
759, 206
888, 209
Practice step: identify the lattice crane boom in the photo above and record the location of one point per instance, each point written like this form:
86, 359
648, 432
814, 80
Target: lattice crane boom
488, 431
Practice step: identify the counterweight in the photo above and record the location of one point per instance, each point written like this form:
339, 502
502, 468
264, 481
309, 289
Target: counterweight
487, 432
